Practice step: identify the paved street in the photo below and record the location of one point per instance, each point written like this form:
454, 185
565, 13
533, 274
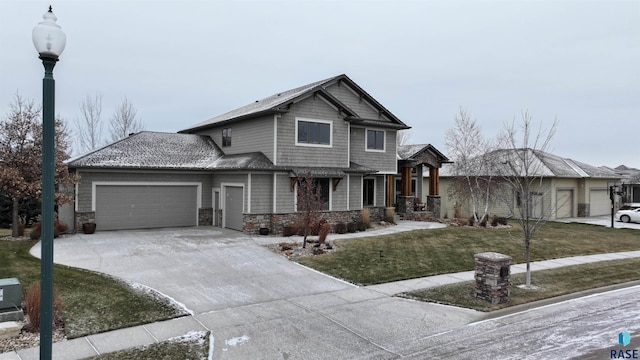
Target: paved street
585, 328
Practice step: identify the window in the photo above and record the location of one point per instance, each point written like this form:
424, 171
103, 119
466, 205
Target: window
375, 140
313, 133
226, 137
322, 186
368, 192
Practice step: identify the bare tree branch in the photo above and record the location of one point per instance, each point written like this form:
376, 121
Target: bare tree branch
89, 125
124, 121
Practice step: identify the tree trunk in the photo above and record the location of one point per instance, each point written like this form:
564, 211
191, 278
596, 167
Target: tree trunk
528, 258
15, 221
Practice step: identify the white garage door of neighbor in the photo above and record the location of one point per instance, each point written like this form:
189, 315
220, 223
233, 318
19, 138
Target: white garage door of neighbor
564, 204
599, 203
233, 206
120, 207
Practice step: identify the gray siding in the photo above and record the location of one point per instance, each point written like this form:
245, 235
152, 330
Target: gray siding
379, 190
355, 192
246, 136
291, 155
261, 193
88, 177
349, 98
384, 162
285, 197
339, 197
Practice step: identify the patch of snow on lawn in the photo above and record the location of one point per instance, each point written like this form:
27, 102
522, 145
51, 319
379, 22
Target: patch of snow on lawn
155, 292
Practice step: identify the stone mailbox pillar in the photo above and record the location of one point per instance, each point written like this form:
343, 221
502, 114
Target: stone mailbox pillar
493, 277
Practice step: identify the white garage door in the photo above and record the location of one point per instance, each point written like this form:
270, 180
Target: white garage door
120, 207
599, 202
564, 204
233, 206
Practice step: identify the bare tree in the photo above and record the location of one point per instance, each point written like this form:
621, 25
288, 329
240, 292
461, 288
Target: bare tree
309, 205
403, 137
472, 170
124, 121
21, 156
89, 125
521, 164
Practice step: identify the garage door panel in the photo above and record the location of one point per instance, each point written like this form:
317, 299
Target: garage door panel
145, 206
564, 204
599, 202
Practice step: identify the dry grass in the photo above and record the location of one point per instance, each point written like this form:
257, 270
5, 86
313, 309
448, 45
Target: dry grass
550, 283
32, 308
380, 259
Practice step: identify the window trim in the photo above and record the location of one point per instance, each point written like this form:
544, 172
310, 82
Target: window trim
330, 122
228, 136
366, 140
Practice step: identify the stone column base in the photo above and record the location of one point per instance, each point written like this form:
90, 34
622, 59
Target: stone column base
433, 205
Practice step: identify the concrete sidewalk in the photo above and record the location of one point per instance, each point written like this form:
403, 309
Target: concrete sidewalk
152, 333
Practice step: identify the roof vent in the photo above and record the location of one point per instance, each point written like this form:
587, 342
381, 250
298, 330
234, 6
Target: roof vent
130, 134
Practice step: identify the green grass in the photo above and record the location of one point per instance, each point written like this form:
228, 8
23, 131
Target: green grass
189, 348
550, 283
92, 302
437, 251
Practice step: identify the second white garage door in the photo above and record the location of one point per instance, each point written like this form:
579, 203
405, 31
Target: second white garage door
120, 207
599, 202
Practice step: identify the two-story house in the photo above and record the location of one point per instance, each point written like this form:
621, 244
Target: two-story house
239, 170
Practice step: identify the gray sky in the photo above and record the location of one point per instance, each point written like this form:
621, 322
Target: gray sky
182, 62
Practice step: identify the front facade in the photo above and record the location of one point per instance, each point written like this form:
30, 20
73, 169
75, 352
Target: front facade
240, 170
564, 188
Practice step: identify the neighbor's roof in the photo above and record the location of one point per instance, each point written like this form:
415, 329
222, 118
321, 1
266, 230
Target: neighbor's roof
158, 150
542, 164
406, 152
279, 103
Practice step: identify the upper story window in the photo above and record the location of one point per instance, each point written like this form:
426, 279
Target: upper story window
226, 137
375, 140
313, 132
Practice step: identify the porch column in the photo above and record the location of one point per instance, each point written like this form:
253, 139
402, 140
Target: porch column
405, 200
434, 181
389, 192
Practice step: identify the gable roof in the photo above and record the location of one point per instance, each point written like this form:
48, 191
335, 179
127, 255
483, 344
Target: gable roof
279, 103
407, 152
542, 164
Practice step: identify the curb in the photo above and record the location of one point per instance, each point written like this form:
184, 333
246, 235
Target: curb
554, 300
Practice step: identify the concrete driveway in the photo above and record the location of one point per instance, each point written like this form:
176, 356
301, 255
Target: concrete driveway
604, 220
257, 304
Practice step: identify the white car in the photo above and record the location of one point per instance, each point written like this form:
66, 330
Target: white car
628, 215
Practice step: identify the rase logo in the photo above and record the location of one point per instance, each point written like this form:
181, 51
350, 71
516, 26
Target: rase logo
624, 338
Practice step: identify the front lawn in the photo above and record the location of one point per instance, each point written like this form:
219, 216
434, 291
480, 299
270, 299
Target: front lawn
380, 259
549, 283
92, 302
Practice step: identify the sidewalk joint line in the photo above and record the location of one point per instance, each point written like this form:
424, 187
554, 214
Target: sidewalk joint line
91, 344
149, 332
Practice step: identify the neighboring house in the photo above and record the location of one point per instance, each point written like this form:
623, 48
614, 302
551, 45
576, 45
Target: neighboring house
240, 170
569, 188
629, 184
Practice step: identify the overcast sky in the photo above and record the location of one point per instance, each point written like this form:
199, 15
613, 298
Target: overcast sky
182, 62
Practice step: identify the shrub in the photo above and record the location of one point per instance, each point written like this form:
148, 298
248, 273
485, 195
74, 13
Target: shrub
32, 308
59, 228
341, 227
483, 222
324, 231
35, 231
360, 226
366, 218
446, 215
352, 227
471, 221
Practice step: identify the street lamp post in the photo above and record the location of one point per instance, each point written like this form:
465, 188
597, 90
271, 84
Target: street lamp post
49, 41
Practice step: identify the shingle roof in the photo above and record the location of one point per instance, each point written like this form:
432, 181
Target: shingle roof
543, 164
277, 103
157, 150
148, 149
406, 152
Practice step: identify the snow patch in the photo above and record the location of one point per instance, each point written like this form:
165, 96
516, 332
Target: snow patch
153, 291
191, 336
211, 339
236, 341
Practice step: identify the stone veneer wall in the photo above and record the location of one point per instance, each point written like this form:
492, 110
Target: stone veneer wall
433, 204
205, 216
276, 222
583, 210
83, 217
493, 277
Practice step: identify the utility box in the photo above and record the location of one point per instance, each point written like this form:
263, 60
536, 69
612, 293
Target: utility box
10, 294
